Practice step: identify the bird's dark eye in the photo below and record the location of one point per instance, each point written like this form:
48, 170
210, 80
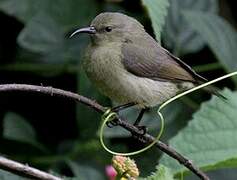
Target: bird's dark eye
108, 29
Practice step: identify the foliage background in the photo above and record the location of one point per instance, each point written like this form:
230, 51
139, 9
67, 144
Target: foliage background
61, 136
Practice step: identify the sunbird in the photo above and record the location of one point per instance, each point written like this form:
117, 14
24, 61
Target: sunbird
130, 67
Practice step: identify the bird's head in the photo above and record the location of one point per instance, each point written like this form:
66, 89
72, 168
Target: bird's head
112, 27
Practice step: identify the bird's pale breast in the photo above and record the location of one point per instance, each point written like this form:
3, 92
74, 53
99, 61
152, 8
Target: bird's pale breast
104, 68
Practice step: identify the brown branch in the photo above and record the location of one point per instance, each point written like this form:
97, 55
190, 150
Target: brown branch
25, 170
97, 107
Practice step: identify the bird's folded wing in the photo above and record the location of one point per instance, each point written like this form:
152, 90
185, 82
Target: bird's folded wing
150, 60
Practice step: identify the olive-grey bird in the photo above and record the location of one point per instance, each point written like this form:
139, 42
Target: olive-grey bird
126, 64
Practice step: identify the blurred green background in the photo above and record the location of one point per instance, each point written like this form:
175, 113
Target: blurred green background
56, 135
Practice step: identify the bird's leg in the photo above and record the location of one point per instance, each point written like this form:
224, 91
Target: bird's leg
139, 117
110, 124
138, 120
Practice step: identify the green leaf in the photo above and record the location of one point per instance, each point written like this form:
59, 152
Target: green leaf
63, 12
162, 173
208, 140
157, 10
178, 35
4, 175
16, 128
218, 34
83, 172
47, 23
42, 34
22, 11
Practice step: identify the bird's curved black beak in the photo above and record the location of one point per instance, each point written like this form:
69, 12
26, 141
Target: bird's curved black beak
89, 30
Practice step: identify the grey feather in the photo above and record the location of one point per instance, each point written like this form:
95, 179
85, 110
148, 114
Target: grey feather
144, 57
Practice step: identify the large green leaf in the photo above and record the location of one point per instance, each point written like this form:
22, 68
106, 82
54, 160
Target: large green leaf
157, 10
24, 10
218, 34
66, 13
18, 129
178, 35
209, 138
41, 34
162, 173
47, 22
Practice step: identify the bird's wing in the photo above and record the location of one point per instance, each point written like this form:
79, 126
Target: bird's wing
149, 59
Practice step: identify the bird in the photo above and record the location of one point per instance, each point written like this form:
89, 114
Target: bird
130, 67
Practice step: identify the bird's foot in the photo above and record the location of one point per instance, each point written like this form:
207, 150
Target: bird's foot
142, 129
112, 123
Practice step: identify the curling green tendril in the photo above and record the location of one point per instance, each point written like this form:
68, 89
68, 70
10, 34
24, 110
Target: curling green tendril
109, 116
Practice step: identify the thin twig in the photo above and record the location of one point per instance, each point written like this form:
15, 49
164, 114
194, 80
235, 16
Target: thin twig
25, 170
97, 107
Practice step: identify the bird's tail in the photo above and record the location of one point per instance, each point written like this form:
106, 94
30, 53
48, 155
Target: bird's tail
214, 90
211, 88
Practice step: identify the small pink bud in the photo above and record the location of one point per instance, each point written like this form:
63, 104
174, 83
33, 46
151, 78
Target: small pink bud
110, 172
